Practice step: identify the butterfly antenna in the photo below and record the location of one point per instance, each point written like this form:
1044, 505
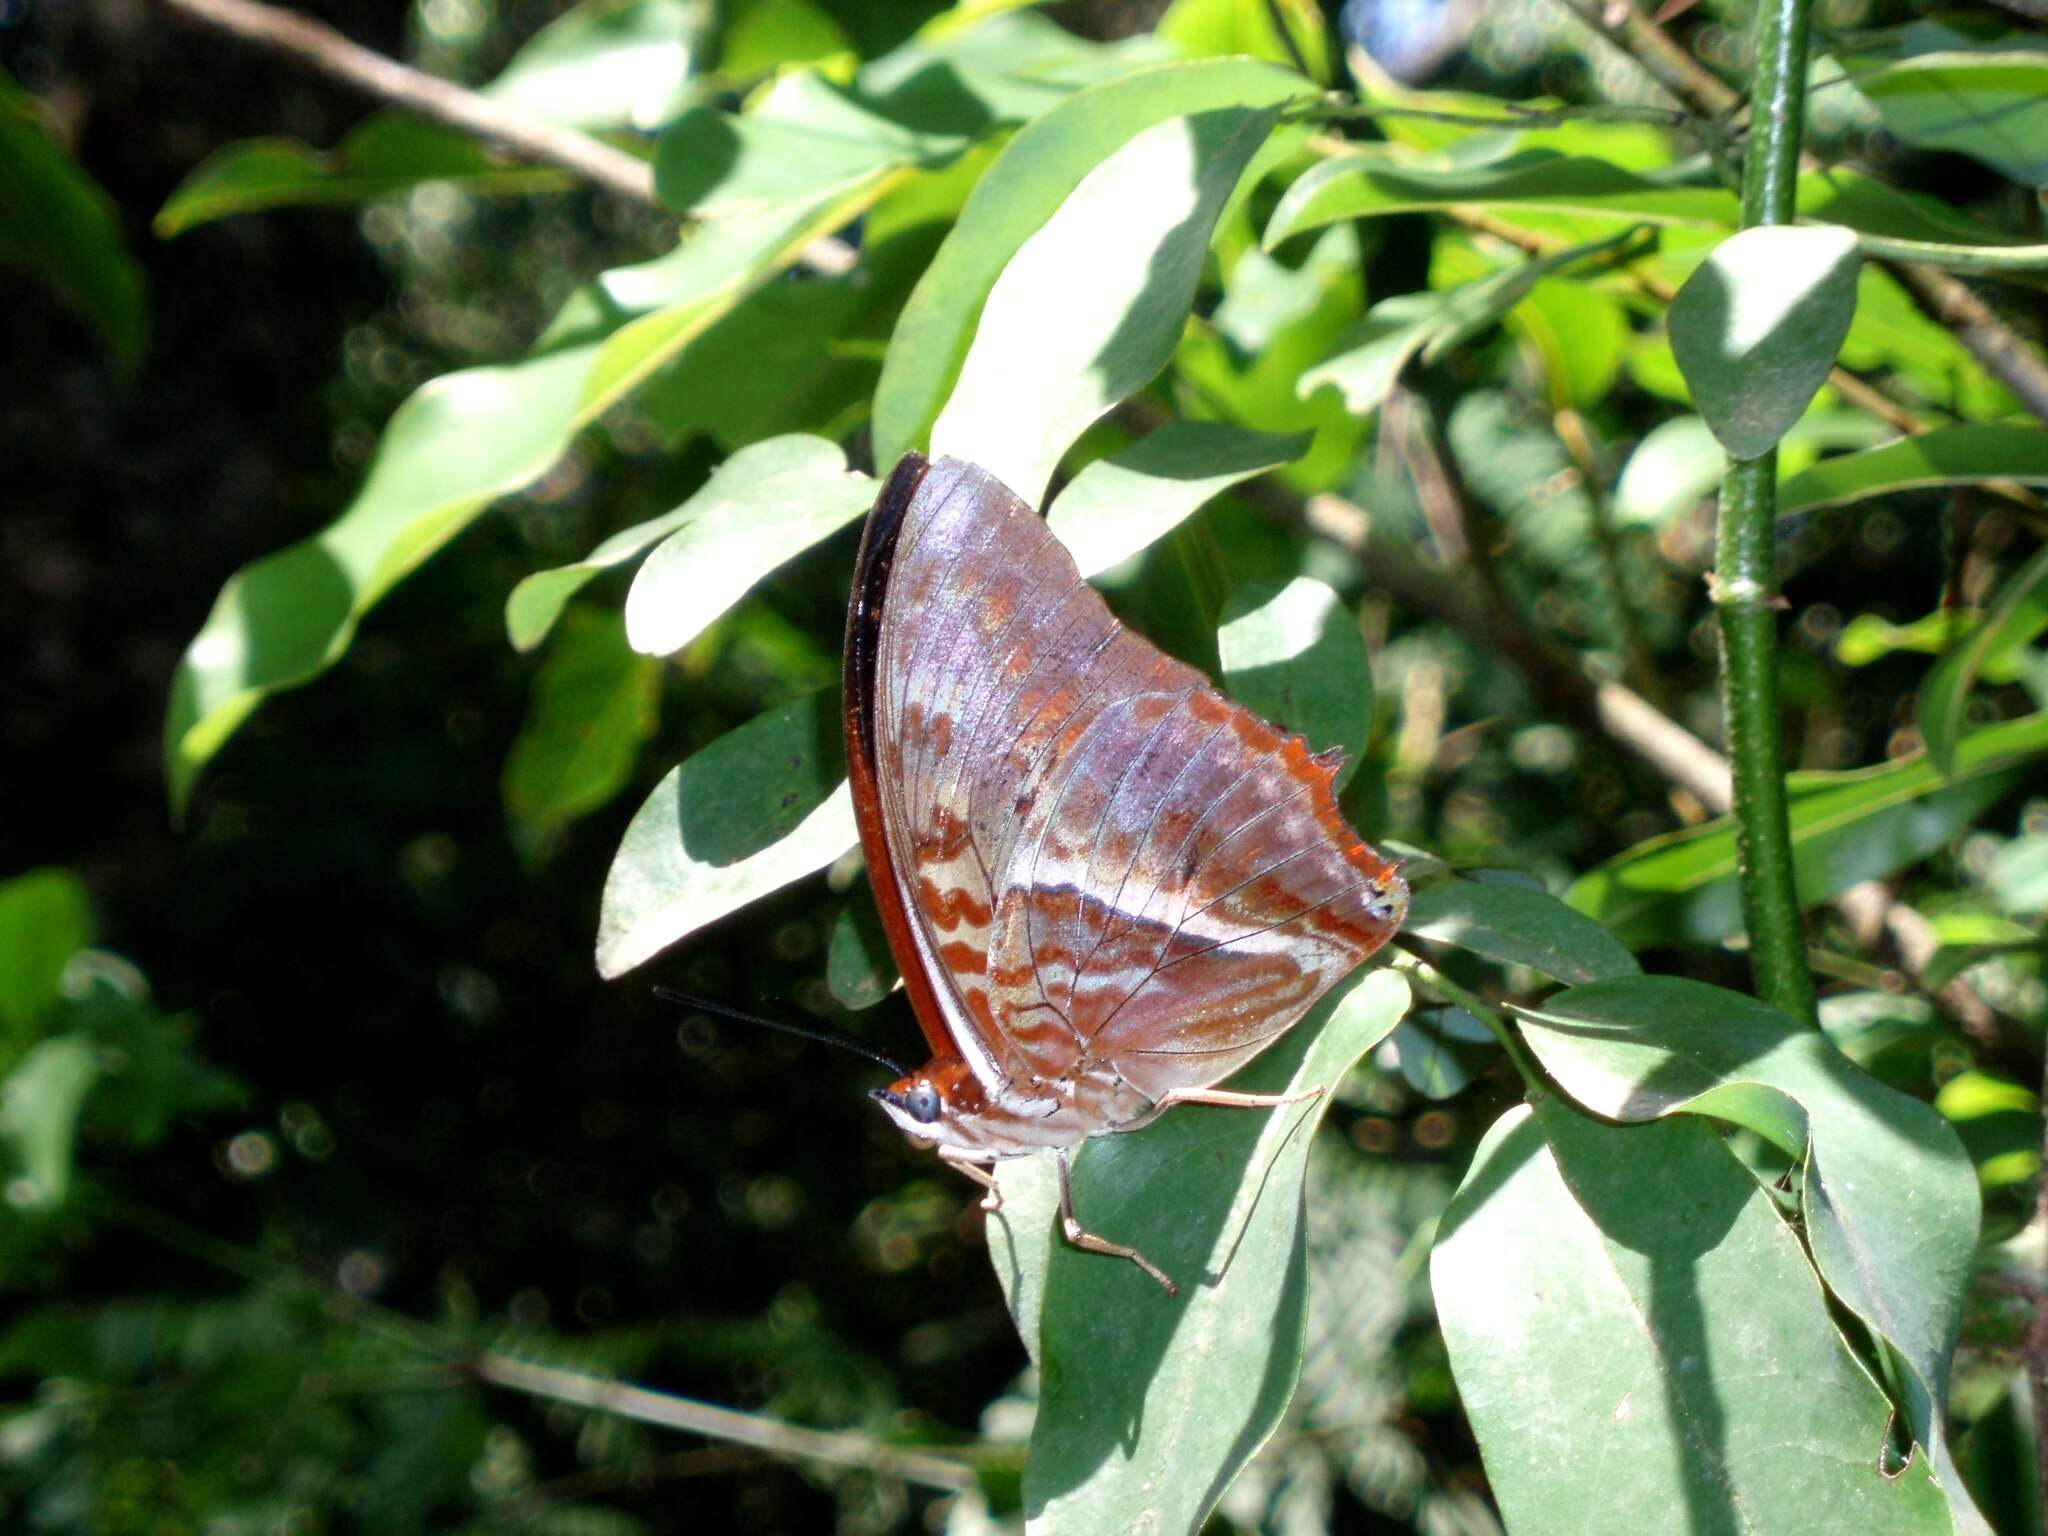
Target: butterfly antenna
802, 1031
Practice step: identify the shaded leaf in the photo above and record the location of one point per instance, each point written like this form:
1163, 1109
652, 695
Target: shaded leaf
1757, 326
1214, 1197
858, 966
44, 920
1846, 827
1122, 504
1630, 1293
748, 814
1090, 307
1947, 456
1519, 926
772, 502
1992, 107
594, 703
2016, 615
60, 224
1293, 654
1023, 189
1888, 1195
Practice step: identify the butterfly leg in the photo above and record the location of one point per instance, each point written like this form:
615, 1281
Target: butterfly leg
1228, 1100
993, 1200
1088, 1242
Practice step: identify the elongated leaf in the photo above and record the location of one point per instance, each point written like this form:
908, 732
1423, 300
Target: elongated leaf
389, 153
44, 920
2017, 614
1947, 456
1520, 926
745, 816
60, 224
594, 704
457, 444
806, 138
1431, 324
40, 1102
1846, 827
1294, 654
1375, 181
1890, 1199
1027, 184
610, 64
1757, 326
775, 500
1090, 307
1990, 106
1631, 1294
1122, 504
1150, 1405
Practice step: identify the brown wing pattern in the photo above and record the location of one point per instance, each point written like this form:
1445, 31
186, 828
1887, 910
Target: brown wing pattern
1115, 866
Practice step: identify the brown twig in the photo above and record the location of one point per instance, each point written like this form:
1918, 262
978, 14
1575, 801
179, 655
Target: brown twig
1945, 299
319, 47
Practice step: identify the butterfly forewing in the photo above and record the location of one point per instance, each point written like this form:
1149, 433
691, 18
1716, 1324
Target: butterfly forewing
1111, 868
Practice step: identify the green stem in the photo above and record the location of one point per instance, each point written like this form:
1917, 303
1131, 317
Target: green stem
1411, 961
1744, 600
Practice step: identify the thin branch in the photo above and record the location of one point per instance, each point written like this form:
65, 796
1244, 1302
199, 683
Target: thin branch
319, 47
1577, 438
1945, 299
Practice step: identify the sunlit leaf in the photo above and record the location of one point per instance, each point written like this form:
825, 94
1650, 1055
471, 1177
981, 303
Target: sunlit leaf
457, 444
1999, 1124
609, 64
2019, 876
748, 814
771, 502
40, 1102
2015, 616
1122, 504
1089, 308
1888, 1195
594, 704
59, 223
1149, 1405
1968, 455
1293, 654
1846, 827
1757, 326
1029, 181
1631, 1294
1519, 926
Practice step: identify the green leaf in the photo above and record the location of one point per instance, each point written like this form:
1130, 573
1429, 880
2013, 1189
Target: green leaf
2017, 614
60, 224
2019, 876
1375, 181
745, 816
594, 704
389, 153
1677, 465
1433, 323
1992, 107
1425, 1061
1293, 654
1757, 326
776, 34
772, 501
1215, 28
45, 919
609, 64
1946, 456
40, 1102
1999, 1125
1579, 334
859, 969
1090, 307
457, 444
1149, 1405
806, 139
1846, 827
1518, 926
1889, 1197
1023, 189
1639, 1341
1122, 504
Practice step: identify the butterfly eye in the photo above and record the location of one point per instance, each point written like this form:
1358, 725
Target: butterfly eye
922, 1104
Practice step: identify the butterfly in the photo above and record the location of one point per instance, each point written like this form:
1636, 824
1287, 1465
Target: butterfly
1107, 886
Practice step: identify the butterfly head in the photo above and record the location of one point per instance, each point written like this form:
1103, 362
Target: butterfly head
934, 1103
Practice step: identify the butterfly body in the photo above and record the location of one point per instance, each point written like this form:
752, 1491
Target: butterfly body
1106, 885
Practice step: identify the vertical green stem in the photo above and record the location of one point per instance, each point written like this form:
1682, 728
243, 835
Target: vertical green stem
1744, 599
